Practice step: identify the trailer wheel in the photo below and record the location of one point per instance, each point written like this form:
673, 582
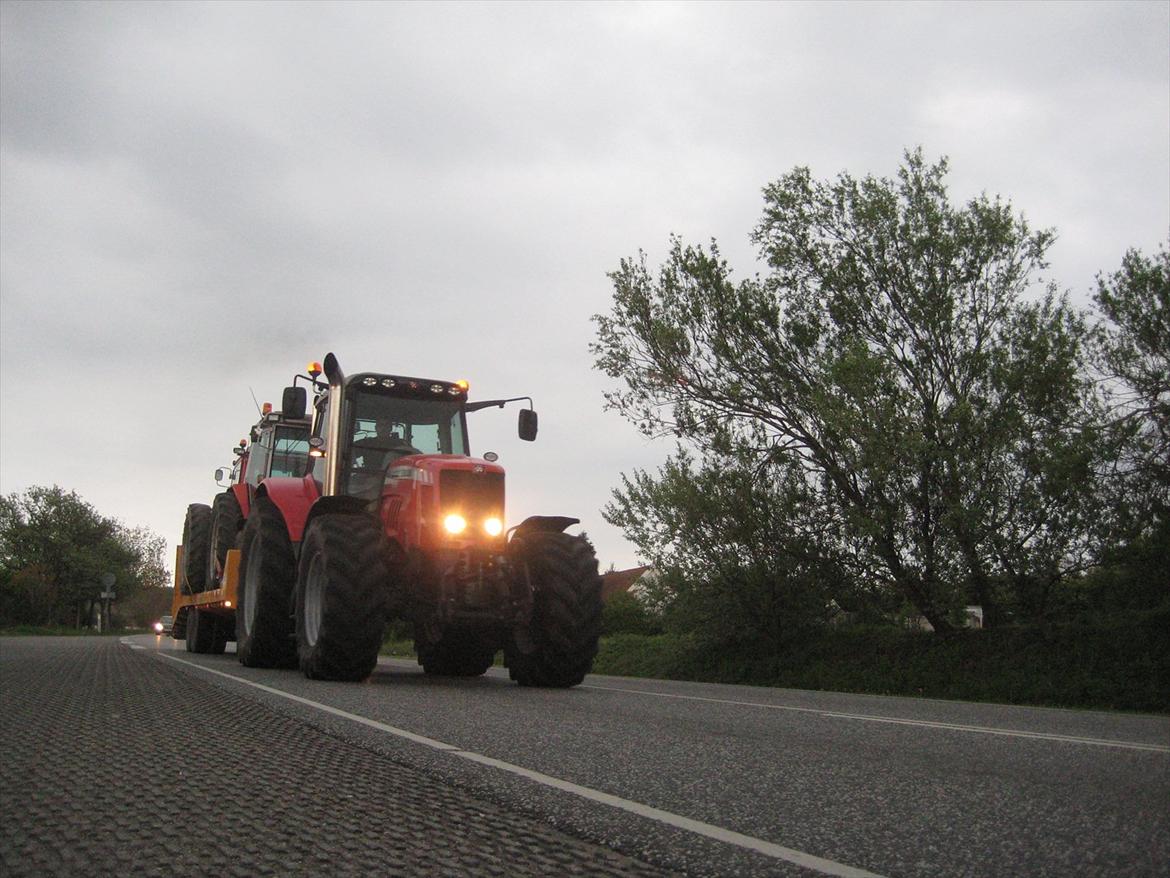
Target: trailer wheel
196, 539
226, 521
558, 646
459, 654
217, 640
202, 631
264, 628
192, 629
341, 597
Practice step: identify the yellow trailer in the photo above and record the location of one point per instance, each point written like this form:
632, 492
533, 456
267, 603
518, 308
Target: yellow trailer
206, 619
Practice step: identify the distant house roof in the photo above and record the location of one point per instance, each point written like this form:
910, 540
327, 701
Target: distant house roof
621, 580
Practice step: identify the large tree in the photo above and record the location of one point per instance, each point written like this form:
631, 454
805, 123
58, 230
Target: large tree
1134, 368
55, 549
903, 356
1135, 361
731, 560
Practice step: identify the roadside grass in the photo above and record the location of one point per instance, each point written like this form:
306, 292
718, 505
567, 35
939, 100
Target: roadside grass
63, 631
399, 647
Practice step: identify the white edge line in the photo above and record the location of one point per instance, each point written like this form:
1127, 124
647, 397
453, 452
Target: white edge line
718, 833
874, 718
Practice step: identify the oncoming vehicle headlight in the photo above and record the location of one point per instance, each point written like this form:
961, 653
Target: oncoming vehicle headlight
158, 627
493, 527
455, 523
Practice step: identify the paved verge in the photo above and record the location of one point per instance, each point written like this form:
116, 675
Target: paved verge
98, 777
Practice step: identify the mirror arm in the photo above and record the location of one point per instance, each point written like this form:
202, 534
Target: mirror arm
498, 403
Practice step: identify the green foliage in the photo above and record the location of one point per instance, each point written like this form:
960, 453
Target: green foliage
733, 563
1124, 666
398, 639
54, 549
625, 614
900, 386
1134, 358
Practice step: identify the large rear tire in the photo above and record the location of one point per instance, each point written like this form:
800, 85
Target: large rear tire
226, 521
342, 587
558, 646
460, 653
196, 540
264, 626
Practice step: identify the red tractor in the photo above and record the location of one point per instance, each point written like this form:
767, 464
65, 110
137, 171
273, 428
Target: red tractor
204, 603
391, 517
280, 447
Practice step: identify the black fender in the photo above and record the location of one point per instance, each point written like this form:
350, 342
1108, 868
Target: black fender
543, 524
338, 504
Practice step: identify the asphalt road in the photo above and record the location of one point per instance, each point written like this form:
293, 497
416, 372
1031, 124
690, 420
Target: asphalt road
617, 776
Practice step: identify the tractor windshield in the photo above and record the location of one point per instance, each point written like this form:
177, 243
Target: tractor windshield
382, 428
291, 451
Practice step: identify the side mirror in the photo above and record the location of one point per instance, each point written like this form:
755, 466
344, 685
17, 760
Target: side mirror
528, 424
294, 402
221, 474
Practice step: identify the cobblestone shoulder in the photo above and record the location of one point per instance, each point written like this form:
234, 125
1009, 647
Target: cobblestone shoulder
97, 778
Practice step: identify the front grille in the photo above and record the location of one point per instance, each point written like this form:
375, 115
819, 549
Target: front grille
473, 495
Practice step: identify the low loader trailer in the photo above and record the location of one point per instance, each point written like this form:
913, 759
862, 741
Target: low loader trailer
207, 619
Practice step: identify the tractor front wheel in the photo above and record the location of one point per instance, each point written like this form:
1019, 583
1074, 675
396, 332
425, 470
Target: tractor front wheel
341, 597
558, 645
264, 628
196, 542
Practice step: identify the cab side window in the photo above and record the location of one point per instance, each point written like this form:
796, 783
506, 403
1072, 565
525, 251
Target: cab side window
258, 456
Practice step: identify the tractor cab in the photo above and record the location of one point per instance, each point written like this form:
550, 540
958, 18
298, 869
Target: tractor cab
279, 447
384, 419
399, 445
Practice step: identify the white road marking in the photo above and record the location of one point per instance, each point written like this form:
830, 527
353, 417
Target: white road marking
718, 833
875, 718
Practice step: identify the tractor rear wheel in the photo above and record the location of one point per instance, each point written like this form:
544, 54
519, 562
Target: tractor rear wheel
264, 628
558, 645
459, 654
196, 540
226, 521
342, 587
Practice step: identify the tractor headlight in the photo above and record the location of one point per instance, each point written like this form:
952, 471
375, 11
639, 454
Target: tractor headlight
455, 523
494, 527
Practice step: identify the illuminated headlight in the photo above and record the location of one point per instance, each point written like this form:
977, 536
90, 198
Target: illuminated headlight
369, 382
455, 524
494, 527
436, 388
158, 627
388, 382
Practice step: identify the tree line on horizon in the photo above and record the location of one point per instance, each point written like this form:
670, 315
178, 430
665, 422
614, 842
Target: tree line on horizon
55, 549
901, 416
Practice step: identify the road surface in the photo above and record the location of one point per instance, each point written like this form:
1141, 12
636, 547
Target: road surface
406, 774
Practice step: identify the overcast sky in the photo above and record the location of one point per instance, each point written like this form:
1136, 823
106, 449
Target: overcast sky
197, 199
